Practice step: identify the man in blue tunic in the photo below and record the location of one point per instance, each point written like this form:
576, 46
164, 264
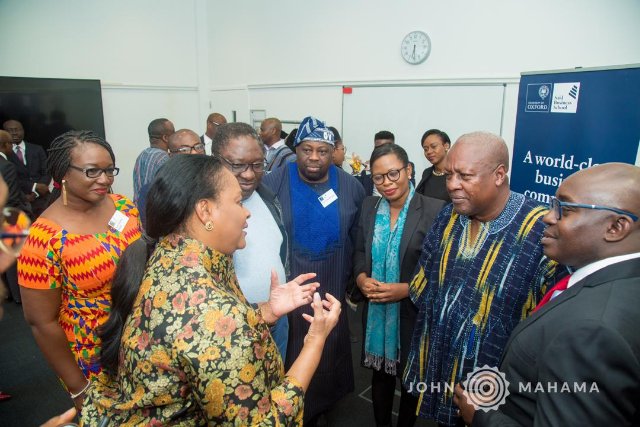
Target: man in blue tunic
320, 204
482, 270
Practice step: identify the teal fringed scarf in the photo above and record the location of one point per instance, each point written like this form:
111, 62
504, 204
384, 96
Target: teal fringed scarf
382, 340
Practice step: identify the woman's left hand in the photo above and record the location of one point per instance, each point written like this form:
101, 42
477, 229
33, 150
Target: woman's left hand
389, 292
286, 298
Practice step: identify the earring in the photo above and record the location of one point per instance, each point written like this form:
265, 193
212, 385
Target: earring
64, 192
208, 226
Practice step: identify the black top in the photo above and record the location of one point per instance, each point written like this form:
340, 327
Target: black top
433, 186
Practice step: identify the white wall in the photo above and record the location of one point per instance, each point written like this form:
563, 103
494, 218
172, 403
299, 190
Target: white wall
183, 59
144, 52
303, 45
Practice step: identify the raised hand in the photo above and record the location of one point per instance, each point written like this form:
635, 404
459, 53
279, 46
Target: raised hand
286, 298
325, 317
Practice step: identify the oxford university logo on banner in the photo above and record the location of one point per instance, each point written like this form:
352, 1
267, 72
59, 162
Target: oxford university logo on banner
571, 120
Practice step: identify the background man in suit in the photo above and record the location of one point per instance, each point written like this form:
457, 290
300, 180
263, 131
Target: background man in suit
15, 199
31, 163
213, 121
277, 153
587, 333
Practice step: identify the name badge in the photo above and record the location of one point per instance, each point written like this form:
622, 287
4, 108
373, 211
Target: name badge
118, 221
327, 198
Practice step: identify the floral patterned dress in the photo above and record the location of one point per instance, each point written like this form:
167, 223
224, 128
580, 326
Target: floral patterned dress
194, 352
82, 265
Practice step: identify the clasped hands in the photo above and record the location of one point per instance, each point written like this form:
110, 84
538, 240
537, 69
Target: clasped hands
377, 291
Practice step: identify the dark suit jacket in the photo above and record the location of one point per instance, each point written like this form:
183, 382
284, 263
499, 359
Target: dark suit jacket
588, 334
15, 198
34, 172
426, 176
420, 216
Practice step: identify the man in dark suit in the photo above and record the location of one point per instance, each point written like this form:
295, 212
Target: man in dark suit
576, 360
15, 199
31, 164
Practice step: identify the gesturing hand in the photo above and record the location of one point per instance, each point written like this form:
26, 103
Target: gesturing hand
325, 316
286, 298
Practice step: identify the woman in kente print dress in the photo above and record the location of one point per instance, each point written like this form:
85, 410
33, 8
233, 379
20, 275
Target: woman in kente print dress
67, 265
182, 345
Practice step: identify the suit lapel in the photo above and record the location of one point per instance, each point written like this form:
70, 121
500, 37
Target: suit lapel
617, 271
410, 225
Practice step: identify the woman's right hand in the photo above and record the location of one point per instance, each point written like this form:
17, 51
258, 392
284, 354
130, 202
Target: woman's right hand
368, 286
325, 317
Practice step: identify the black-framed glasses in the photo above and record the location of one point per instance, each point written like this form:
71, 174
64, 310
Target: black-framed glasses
96, 172
556, 206
14, 231
393, 175
238, 168
198, 148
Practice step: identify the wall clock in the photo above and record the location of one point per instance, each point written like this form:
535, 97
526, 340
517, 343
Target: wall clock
415, 47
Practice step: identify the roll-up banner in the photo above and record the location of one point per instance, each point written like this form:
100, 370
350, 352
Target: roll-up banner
572, 119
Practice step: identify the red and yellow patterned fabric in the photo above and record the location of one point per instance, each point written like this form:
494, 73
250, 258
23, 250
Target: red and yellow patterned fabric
82, 265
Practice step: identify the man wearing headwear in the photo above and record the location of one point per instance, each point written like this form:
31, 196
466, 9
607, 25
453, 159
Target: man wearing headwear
481, 272
321, 206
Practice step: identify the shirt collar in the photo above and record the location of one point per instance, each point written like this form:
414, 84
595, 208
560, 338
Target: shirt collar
589, 269
21, 145
3, 155
277, 145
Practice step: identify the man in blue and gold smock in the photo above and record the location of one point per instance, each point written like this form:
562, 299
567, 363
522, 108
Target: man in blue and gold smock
481, 271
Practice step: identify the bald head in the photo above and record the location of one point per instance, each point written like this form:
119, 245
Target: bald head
609, 184
6, 144
486, 146
213, 121
270, 130
185, 141
593, 218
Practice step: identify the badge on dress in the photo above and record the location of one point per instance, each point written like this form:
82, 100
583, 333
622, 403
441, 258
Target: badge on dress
118, 221
327, 198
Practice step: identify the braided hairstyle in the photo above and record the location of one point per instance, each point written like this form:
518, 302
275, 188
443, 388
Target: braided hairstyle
59, 158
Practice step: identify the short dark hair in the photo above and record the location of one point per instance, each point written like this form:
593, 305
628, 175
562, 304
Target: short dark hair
383, 150
336, 134
385, 134
172, 198
156, 128
290, 139
441, 134
229, 131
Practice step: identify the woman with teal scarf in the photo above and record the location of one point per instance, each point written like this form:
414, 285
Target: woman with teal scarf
388, 245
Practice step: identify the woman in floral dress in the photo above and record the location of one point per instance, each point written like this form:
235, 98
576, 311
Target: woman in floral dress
182, 345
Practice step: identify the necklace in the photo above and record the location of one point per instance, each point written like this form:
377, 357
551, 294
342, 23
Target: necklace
436, 173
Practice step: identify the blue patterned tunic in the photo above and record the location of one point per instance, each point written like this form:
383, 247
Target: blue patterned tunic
470, 295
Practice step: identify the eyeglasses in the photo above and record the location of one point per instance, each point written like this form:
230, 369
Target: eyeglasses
214, 123
393, 175
198, 148
556, 206
238, 168
14, 232
96, 172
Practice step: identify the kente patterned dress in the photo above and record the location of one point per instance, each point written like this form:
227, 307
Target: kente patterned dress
82, 265
470, 296
194, 352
